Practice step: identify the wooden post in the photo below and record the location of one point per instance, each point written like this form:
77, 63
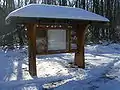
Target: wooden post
32, 49
79, 55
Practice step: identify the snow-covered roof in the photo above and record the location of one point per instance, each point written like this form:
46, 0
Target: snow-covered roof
57, 12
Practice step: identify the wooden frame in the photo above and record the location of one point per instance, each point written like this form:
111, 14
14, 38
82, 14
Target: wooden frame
64, 27
79, 51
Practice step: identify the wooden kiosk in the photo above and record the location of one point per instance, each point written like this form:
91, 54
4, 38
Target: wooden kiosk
55, 38
53, 30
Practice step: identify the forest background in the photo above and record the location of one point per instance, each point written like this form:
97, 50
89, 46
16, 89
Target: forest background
11, 35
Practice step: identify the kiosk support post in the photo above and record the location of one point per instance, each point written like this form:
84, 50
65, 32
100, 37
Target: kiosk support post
31, 28
79, 55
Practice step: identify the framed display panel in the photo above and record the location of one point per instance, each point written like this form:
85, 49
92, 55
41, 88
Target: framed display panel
55, 40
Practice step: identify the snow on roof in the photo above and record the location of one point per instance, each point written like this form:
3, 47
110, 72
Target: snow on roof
57, 12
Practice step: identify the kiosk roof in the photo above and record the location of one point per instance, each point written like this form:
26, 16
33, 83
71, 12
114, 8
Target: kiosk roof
54, 12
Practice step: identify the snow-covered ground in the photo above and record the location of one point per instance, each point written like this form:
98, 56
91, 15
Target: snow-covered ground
54, 72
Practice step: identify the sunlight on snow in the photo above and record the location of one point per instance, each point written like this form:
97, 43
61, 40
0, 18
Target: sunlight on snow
14, 74
50, 68
31, 88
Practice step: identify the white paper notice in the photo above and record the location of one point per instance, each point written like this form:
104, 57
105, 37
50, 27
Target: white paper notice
56, 39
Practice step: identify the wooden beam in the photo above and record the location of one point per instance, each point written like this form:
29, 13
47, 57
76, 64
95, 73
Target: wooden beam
57, 52
32, 48
79, 55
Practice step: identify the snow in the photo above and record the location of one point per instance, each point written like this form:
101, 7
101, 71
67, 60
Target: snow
52, 11
54, 72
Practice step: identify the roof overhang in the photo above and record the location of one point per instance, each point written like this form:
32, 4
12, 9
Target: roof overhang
37, 12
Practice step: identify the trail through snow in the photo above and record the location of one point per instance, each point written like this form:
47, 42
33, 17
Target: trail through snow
54, 72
